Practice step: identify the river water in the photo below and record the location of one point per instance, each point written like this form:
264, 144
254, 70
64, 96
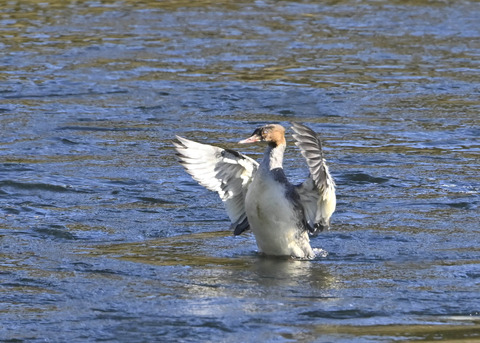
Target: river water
104, 237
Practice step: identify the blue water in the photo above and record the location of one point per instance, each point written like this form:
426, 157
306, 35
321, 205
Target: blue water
104, 237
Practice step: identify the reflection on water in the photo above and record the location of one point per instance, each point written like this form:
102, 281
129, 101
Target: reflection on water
198, 250
104, 237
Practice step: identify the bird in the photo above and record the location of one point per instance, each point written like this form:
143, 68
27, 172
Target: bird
259, 197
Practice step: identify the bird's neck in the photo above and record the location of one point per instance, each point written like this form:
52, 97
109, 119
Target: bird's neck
273, 157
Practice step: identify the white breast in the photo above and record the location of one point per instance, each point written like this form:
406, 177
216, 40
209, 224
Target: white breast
273, 219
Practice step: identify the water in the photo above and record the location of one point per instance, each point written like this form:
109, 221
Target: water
104, 237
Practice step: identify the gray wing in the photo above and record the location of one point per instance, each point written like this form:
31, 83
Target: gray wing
317, 193
224, 171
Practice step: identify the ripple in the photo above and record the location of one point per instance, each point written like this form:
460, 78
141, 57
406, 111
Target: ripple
342, 314
156, 200
37, 186
99, 128
55, 232
362, 178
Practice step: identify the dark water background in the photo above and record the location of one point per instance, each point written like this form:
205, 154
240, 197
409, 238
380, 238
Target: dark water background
103, 236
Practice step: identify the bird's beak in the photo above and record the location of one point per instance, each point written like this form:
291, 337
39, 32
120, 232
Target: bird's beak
254, 138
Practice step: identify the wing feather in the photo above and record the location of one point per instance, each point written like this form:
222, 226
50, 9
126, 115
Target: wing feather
224, 171
317, 193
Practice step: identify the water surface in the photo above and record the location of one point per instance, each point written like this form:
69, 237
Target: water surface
103, 236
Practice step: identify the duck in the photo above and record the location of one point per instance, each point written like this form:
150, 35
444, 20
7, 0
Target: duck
259, 197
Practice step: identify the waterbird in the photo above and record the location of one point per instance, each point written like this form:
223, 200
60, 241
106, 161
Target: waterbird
282, 216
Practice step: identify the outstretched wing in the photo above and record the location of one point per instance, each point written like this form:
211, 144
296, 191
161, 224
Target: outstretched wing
317, 193
224, 171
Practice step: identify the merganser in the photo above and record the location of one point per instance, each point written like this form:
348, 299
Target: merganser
259, 196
